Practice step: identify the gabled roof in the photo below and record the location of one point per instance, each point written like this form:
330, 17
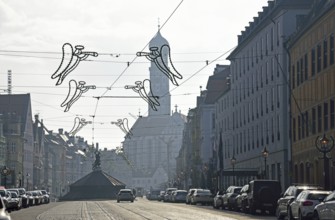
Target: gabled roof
98, 178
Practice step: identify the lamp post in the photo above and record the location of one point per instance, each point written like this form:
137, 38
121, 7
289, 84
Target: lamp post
233, 161
5, 172
265, 154
27, 175
20, 180
324, 146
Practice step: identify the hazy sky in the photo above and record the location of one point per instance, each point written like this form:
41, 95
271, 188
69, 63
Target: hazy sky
32, 33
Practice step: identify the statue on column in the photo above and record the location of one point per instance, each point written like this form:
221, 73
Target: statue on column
97, 162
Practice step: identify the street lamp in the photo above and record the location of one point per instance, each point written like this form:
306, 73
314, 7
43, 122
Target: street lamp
233, 161
20, 181
5, 172
265, 154
27, 175
324, 146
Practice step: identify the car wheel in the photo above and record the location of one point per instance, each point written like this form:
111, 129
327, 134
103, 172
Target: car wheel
132, 200
289, 214
278, 215
252, 209
118, 201
316, 216
301, 217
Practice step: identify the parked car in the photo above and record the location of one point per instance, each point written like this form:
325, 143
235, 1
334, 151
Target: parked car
4, 193
161, 195
228, 198
189, 195
46, 197
217, 201
38, 198
168, 194
241, 198
262, 195
15, 202
22, 195
125, 195
203, 196
326, 209
179, 196
3, 211
288, 197
31, 198
303, 206
153, 194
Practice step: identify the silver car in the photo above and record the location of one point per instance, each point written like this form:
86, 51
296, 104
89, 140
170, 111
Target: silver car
303, 206
203, 196
326, 209
125, 195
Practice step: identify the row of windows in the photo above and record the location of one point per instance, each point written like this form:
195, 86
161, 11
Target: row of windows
254, 137
318, 119
322, 56
259, 50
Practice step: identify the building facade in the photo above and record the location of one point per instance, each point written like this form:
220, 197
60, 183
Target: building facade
257, 106
312, 71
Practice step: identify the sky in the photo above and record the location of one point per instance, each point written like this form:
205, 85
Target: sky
201, 34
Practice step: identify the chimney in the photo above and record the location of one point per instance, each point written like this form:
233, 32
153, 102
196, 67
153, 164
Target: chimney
60, 130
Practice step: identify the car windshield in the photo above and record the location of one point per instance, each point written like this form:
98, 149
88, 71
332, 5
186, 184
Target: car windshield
237, 190
182, 193
317, 196
2, 194
203, 192
13, 194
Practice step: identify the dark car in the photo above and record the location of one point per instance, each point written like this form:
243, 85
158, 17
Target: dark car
288, 197
125, 195
228, 198
262, 195
153, 195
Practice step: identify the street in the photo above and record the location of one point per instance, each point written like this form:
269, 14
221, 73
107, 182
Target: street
139, 210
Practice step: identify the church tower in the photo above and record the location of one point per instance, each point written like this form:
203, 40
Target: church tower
159, 81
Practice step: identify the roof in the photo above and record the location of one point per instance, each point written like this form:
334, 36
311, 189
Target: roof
156, 125
158, 40
217, 84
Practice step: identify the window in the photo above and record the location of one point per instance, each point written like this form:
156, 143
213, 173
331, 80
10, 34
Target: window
298, 73
313, 62
302, 75
319, 119
332, 114
331, 52
318, 64
299, 127
313, 121
325, 116
307, 123
325, 53
293, 77
306, 66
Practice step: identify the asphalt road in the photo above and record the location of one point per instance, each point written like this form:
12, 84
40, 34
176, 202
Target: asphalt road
139, 210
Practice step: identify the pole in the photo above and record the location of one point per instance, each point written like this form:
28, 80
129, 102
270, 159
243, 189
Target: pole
265, 173
234, 174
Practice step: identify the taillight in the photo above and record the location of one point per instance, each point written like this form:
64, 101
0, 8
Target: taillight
307, 203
